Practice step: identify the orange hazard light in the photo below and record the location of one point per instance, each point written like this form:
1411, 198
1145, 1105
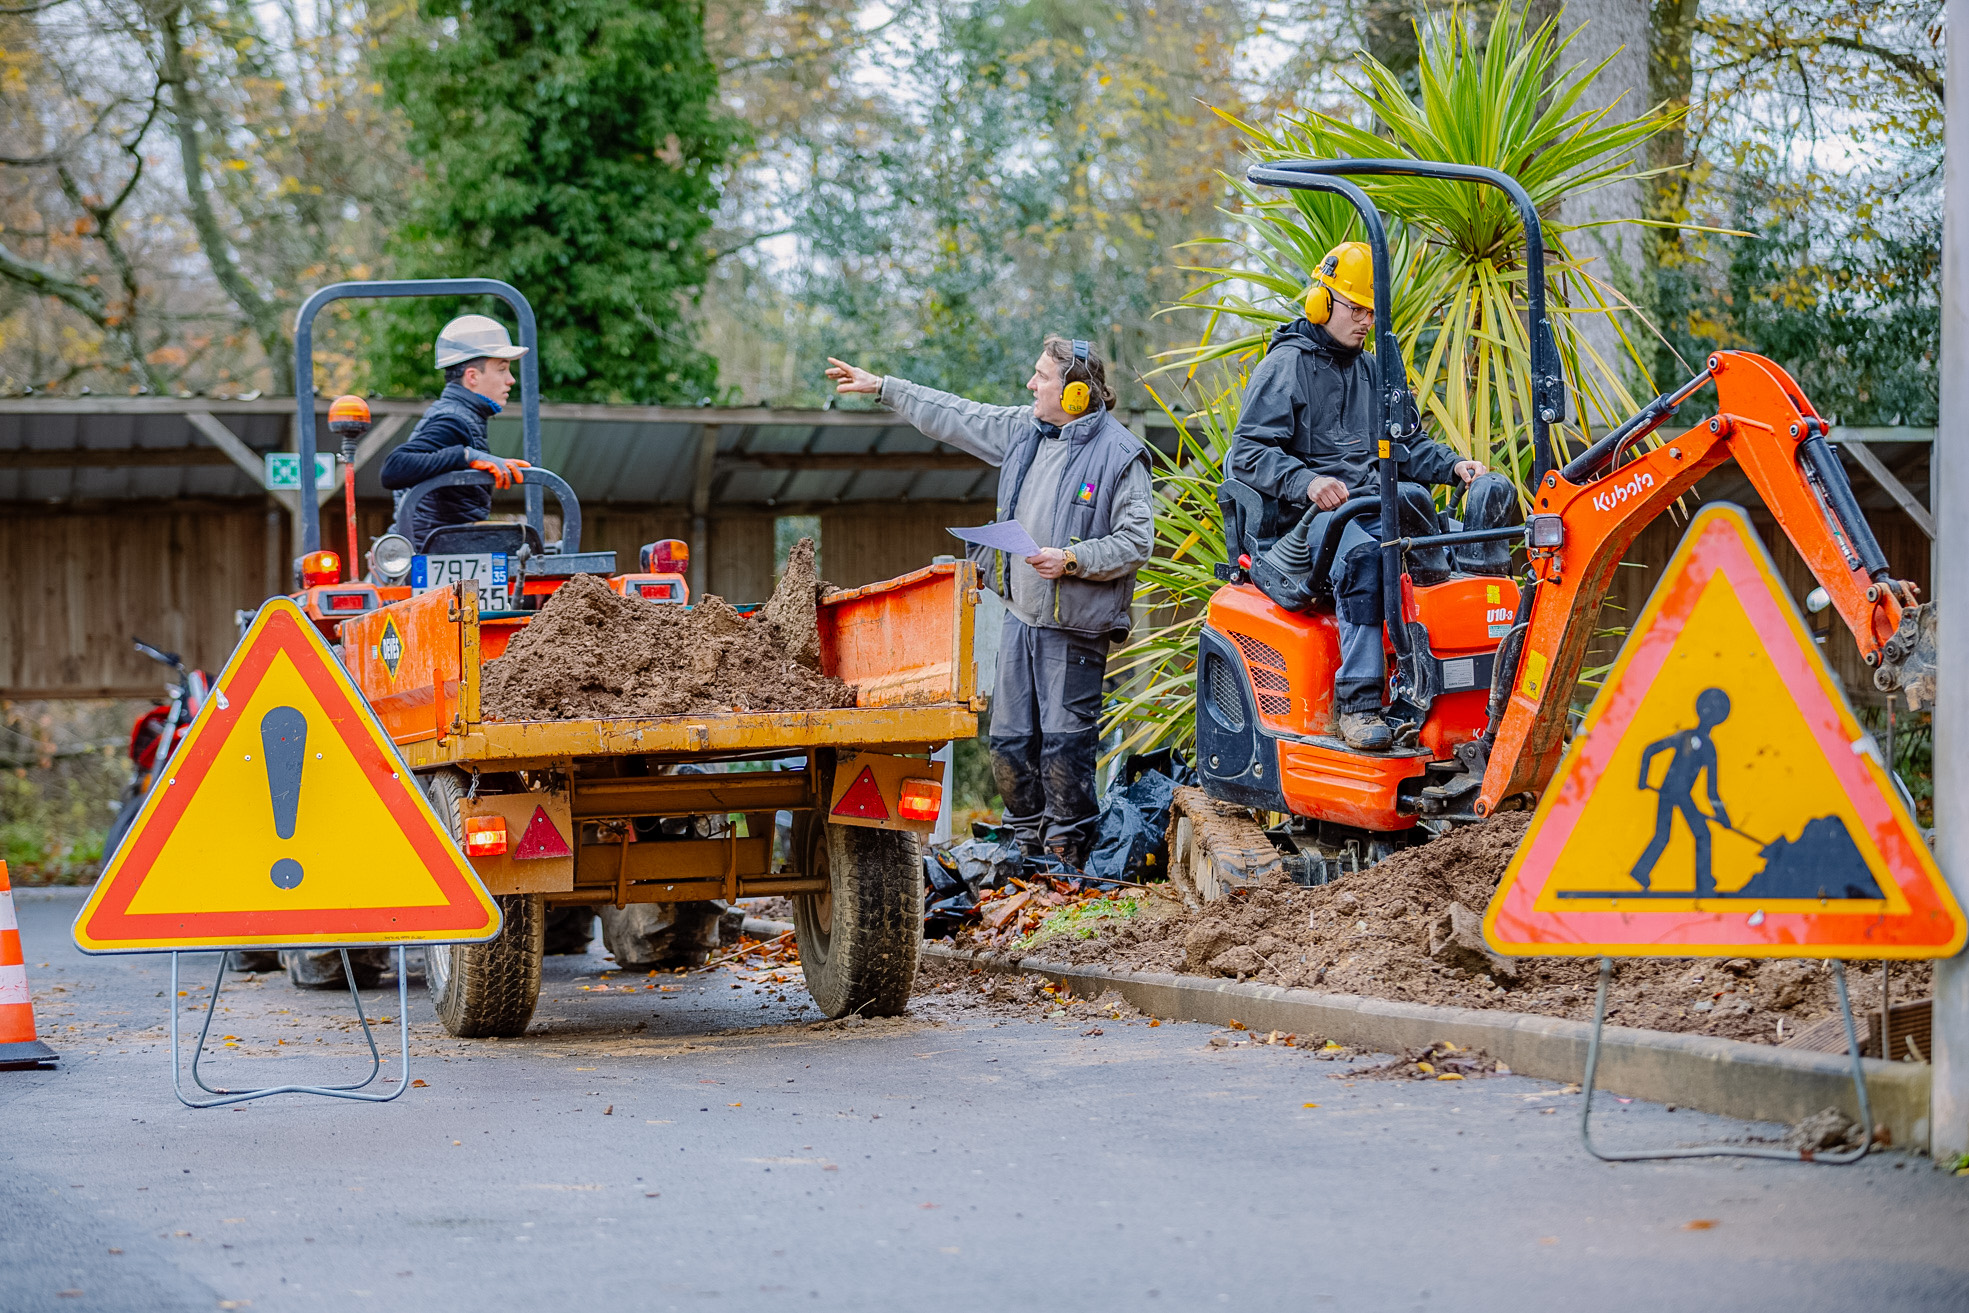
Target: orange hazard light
485, 836
320, 568
921, 800
351, 411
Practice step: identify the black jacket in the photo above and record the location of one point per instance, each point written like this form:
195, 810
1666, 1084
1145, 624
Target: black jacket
451, 432
1309, 409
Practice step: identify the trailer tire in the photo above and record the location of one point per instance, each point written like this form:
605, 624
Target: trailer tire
485, 990
860, 941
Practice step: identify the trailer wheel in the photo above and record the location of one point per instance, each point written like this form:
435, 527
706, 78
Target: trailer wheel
859, 941
481, 990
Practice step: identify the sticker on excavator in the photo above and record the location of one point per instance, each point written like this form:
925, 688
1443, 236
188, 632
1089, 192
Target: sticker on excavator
286, 819
1720, 799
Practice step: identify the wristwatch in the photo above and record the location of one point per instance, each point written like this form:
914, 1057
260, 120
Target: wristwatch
1072, 565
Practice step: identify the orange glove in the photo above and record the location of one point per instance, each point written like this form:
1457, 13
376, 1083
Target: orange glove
505, 473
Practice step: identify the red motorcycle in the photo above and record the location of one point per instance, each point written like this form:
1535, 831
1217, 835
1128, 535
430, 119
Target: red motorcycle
155, 736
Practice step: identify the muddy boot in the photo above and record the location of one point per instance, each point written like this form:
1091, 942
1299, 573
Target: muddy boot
1069, 854
1365, 731
254, 960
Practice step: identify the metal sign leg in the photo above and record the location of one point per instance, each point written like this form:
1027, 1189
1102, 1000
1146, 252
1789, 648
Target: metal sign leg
354, 1091
1723, 1150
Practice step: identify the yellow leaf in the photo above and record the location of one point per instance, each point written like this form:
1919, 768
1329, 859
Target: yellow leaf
1309, 1105
1449, 1075
1425, 1066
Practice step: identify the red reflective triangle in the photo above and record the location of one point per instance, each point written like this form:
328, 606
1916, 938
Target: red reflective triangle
863, 799
541, 839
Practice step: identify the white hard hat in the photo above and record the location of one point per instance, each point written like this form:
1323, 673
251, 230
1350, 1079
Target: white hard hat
473, 337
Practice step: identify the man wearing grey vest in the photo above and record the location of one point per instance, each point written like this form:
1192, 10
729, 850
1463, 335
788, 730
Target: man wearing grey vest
1079, 483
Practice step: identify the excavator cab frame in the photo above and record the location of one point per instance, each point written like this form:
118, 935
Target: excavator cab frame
1585, 513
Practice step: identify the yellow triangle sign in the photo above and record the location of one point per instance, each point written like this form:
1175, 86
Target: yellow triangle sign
285, 819
1720, 799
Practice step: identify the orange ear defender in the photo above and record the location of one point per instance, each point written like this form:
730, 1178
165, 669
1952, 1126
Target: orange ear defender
1319, 301
1346, 270
1076, 397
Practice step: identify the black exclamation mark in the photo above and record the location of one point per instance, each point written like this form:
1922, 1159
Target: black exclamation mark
283, 742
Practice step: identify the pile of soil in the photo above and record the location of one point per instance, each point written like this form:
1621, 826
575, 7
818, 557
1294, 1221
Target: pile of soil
1409, 929
591, 653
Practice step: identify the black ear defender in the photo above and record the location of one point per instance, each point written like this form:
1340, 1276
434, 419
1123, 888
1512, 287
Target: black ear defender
1077, 396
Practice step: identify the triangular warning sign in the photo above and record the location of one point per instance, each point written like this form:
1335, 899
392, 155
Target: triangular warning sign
1720, 799
285, 819
541, 839
863, 799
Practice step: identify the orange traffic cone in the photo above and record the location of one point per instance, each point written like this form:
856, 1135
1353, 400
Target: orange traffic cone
18, 1046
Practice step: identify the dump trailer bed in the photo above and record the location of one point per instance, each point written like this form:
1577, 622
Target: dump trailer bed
609, 812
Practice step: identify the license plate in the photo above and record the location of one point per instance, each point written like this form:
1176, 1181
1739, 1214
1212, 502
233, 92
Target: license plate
485, 569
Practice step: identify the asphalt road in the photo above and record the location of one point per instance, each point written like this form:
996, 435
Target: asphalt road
706, 1147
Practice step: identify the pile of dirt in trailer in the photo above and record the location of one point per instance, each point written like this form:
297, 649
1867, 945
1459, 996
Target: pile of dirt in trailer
1409, 928
593, 654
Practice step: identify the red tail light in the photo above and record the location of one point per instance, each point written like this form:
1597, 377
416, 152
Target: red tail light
667, 556
320, 568
921, 800
485, 836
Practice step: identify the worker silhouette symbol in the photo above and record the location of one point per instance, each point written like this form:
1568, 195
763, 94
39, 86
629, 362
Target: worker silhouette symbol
1694, 758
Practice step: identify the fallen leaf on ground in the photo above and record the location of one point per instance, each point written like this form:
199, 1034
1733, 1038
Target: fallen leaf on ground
1700, 1224
419, 1085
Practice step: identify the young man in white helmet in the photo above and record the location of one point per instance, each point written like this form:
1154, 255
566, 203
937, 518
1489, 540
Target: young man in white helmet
1305, 439
477, 358
1078, 480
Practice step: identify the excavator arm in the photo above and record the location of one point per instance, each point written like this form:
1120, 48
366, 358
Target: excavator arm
1586, 515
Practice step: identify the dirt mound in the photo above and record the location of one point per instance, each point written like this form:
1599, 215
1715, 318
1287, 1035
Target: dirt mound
591, 653
1409, 928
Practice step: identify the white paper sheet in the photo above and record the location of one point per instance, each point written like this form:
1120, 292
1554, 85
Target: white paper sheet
1003, 535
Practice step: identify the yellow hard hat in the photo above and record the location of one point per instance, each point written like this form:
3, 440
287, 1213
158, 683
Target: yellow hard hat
1346, 271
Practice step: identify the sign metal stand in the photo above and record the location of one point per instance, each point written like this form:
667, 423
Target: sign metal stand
355, 1091
1838, 1159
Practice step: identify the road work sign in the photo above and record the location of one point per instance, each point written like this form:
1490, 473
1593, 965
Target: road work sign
286, 819
1721, 800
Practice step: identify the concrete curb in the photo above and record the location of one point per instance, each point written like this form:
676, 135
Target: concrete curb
1755, 1082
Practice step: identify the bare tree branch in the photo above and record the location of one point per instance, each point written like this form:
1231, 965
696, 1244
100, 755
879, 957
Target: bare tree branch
262, 314
48, 281
1923, 74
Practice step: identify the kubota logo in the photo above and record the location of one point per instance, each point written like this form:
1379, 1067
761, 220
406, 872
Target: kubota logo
1634, 487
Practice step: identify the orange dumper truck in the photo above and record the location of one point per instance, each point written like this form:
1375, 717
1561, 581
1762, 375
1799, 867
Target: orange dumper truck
554, 813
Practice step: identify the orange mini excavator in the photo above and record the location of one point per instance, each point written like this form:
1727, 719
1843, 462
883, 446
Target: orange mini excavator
1484, 664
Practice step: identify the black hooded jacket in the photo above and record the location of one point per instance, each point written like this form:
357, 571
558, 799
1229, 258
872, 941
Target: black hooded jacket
449, 437
1310, 409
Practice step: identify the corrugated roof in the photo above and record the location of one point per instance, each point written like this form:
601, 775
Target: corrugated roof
112, 448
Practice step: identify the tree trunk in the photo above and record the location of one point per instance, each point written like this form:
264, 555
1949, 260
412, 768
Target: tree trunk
1616, 256
1671, 75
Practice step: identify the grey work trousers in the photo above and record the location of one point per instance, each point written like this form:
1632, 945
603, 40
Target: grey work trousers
1045, 732
1356, 581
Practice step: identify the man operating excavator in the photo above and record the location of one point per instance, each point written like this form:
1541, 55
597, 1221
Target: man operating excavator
1305, 439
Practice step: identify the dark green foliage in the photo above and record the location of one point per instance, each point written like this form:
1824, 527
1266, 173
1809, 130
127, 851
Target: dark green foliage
571, 148
1855, 319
